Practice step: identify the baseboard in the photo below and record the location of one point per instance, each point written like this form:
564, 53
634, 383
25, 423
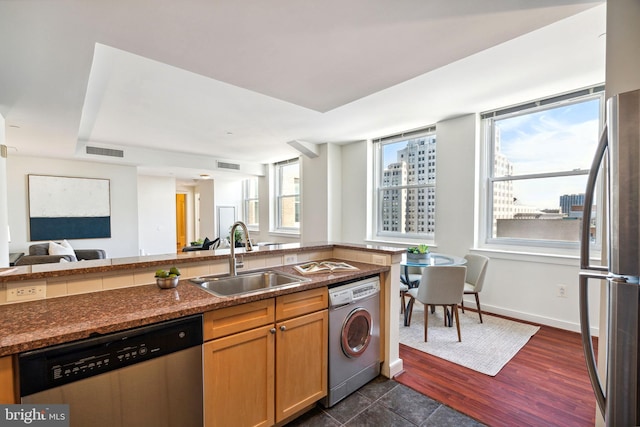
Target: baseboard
392, 369
541, 320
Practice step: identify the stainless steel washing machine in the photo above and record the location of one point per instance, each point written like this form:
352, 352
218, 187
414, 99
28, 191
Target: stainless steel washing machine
354, 337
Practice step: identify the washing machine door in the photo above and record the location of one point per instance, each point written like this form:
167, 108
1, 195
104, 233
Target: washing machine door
356, 332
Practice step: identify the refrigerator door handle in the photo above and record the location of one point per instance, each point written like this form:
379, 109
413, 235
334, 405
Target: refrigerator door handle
587, 343
588, 204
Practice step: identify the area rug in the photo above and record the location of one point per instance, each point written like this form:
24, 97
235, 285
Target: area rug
486, 347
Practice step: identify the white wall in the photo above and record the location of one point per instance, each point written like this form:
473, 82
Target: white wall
519, 285
355, 193
206, 213
623, 46
314, 195
157, 215
335, 178
455, 185
4, 214
124, 206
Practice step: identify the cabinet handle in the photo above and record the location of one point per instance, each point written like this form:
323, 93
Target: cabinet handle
272, 330
283, 328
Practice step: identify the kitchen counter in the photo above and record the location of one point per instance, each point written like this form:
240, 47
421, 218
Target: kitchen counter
38, 271
31, 325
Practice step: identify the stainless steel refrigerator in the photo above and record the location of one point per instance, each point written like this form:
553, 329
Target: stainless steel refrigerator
618, 154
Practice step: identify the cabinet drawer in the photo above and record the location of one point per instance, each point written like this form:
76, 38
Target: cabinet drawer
300, 303
230, 320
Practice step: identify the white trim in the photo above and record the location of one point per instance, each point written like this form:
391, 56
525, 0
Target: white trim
541, 258
529, 317
486, 178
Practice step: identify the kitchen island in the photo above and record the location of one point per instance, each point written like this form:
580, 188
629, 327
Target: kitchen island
105, 296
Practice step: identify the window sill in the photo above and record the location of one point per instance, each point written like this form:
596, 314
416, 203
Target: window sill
284, 233
401, 242
537, 257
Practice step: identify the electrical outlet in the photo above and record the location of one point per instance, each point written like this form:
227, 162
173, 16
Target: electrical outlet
290, 259
562, 291
17, 292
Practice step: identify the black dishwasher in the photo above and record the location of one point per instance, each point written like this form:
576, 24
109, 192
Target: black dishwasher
147, 376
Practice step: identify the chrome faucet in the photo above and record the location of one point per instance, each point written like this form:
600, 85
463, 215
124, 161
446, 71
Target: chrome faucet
232, 255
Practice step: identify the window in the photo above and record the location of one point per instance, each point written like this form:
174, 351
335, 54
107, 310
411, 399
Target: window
287, 176
251, 206
406, 185
540, 156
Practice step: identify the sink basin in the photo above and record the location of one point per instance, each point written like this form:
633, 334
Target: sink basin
248, 282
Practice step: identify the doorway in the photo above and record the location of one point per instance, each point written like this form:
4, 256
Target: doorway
181, 221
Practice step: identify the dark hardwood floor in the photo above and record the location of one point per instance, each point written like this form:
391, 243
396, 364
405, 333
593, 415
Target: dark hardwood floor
545, 384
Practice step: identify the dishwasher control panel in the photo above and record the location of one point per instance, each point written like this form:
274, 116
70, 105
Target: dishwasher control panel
55, 366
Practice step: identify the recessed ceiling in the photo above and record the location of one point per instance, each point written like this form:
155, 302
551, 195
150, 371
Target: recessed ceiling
179, 85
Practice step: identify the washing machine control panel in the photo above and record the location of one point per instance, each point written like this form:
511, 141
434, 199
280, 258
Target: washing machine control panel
366, 290
353, 292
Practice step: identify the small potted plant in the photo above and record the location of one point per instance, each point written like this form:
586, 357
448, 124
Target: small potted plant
238, 235
418, 253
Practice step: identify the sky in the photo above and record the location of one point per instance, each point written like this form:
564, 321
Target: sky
558, 139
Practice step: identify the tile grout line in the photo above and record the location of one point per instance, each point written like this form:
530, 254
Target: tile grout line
367, 407
391, 410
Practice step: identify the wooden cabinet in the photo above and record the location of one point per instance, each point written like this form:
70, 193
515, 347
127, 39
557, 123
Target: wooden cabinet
301, 363
239, 379
7, 390
265, 361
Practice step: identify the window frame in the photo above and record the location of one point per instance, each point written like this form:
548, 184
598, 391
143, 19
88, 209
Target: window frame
378, 189
488, 180
279, 196
247, 198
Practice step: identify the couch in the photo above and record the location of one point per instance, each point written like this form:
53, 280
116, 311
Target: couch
39, 254
206, 245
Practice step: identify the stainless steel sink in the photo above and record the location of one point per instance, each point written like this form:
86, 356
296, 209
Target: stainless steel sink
248, 282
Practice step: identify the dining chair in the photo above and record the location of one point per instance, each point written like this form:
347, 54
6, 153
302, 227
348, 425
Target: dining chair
409, 278
476, 270
439, 285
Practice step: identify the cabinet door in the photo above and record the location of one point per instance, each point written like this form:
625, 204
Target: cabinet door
239, 379
301, 362
7, 391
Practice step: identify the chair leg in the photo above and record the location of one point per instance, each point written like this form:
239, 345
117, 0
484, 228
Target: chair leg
478, 304
402, 294
454, 308
426, 323
408, 312
462, 305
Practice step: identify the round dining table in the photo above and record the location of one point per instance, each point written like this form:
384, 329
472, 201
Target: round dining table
433, 258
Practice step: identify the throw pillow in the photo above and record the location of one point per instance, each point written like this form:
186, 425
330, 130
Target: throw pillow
214, 243
206, 244
63, 248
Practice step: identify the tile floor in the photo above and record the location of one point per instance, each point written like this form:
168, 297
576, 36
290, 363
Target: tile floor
384, 402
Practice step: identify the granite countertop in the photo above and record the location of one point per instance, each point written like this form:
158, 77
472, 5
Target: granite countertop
38, 271
36, 324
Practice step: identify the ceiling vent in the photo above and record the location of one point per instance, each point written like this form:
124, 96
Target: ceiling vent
225, 165
105, 152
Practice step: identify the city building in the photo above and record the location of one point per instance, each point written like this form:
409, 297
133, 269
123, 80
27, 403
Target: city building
405, 208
